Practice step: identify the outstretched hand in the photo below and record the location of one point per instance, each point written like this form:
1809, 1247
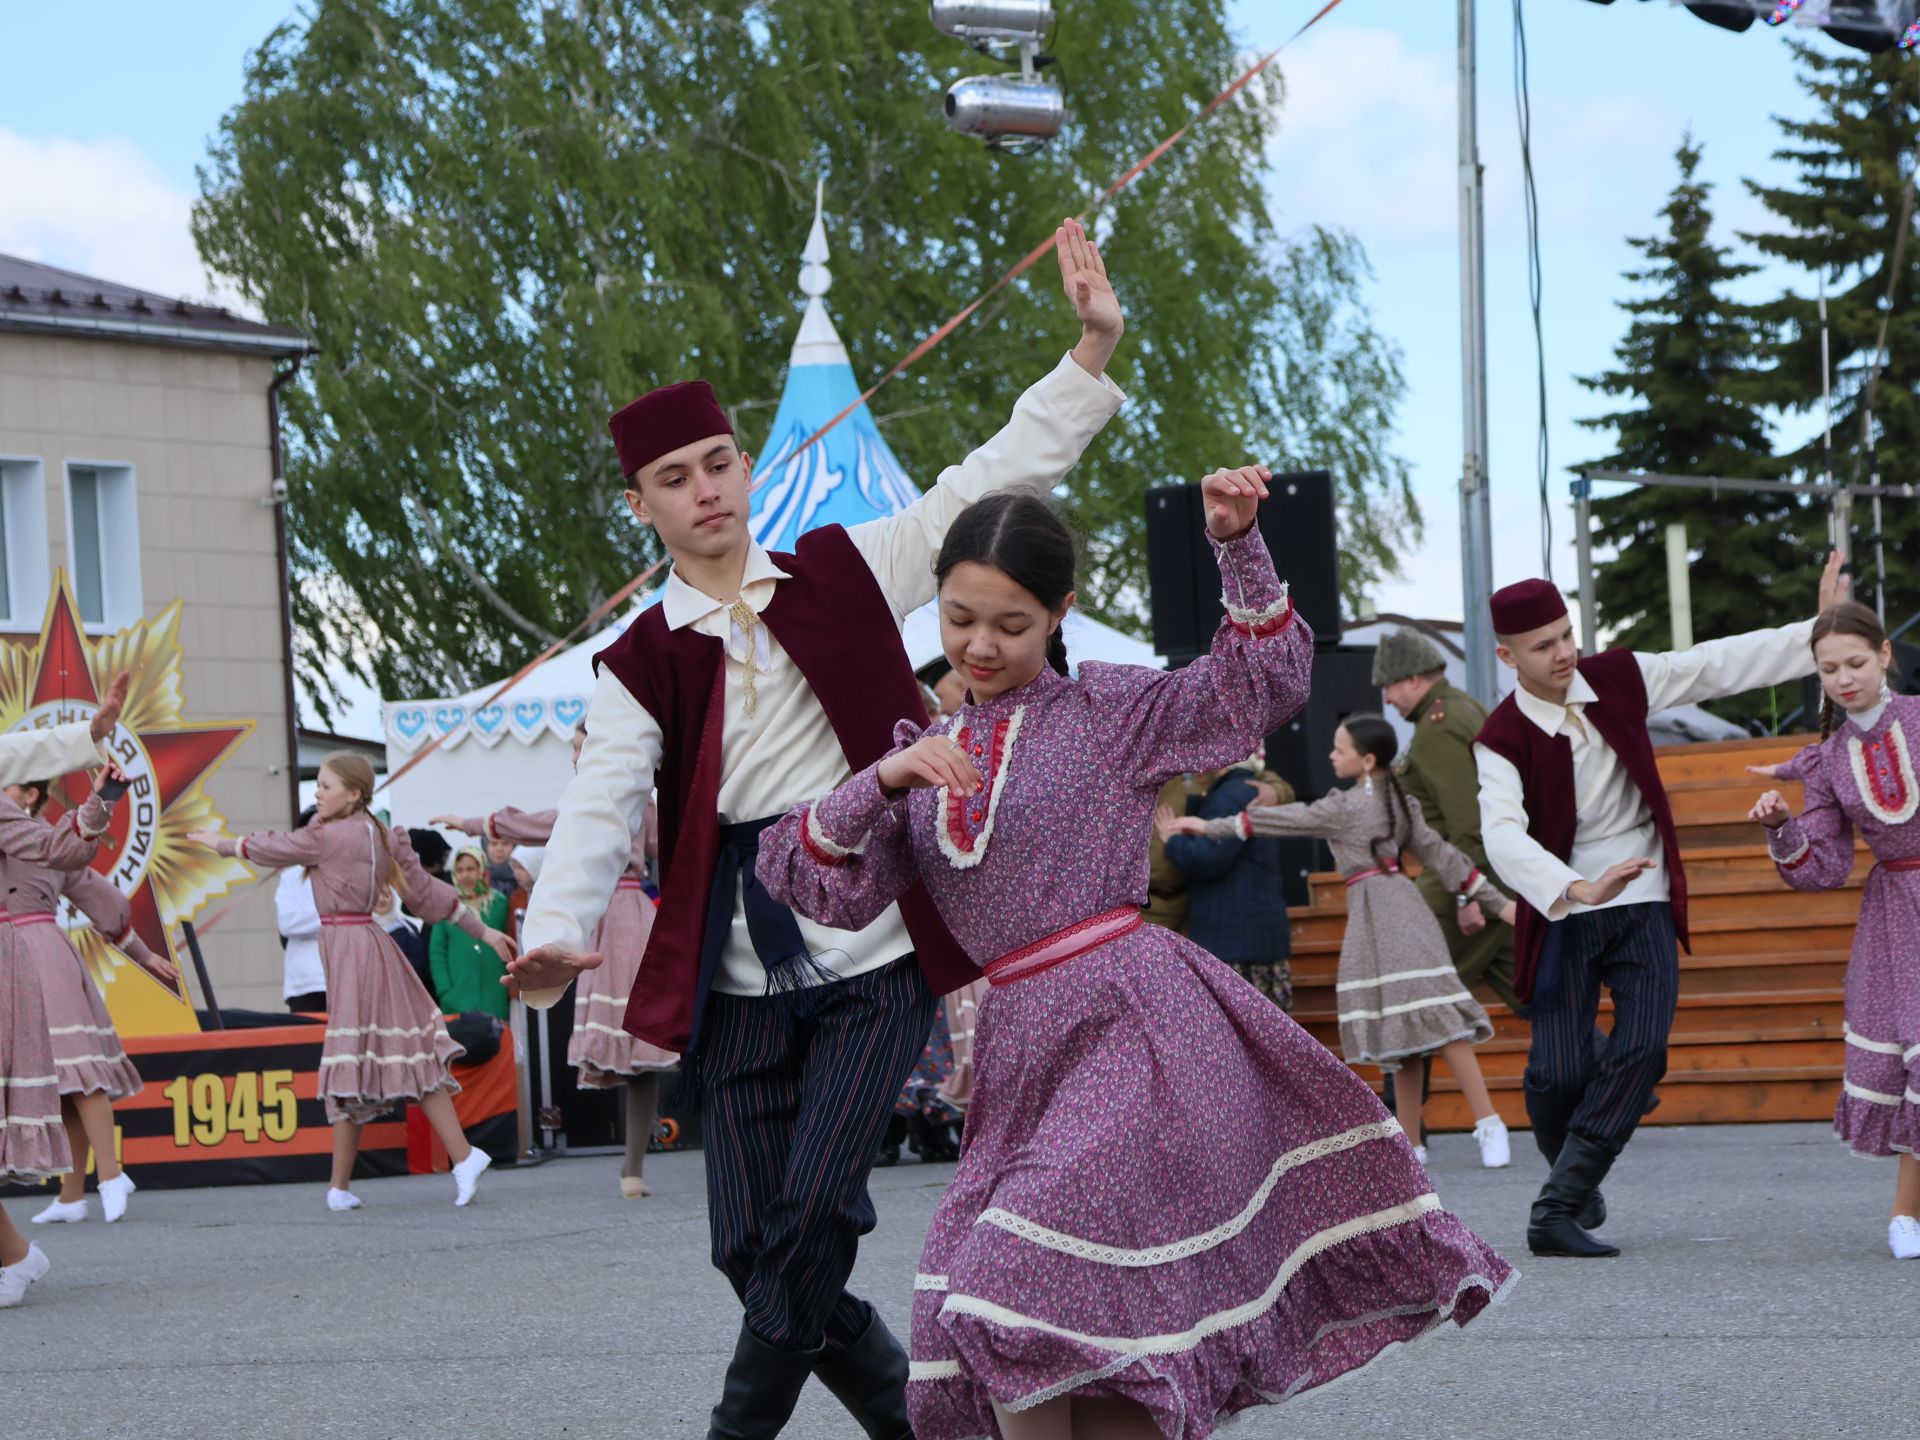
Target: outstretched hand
1768, 772
450, 822
1083, 275
1771, 810
108, 715
1834, 586
546, 967
1609, 885
1232, 499
1170, 822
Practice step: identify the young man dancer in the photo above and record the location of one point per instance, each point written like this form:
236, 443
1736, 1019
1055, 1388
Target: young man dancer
760, 682
1575, 819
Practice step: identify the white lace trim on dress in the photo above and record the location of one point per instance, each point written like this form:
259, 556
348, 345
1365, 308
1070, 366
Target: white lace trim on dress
1384, 1011
1207, 1239
1878, 1047
1872, 1097
1397, 975
1188, 1339
1902, 765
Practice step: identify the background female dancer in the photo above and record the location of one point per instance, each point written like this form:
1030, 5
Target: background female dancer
386, 1040
91, 1064
33, 1143
603, 1052
1401, 1001
1861, 776
1173, 1204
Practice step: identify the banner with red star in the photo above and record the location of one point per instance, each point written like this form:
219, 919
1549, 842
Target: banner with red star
146, 855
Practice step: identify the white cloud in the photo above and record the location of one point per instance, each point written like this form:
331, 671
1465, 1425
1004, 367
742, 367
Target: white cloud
1369, 140
103, 208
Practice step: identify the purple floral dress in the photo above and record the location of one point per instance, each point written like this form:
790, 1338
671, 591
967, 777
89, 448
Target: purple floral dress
1862, 778
1167, 1191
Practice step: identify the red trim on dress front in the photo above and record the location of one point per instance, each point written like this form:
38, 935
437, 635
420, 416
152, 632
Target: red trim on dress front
956, 812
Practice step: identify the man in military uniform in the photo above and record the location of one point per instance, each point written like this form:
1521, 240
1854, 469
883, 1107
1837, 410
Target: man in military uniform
1438, 770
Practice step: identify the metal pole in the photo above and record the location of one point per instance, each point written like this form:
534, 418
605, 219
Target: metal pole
1583, 553
1679, 593
1476, 510
214, 1015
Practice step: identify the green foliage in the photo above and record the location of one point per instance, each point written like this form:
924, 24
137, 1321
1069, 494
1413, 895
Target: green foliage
502, 219
1686, 370
1839, 218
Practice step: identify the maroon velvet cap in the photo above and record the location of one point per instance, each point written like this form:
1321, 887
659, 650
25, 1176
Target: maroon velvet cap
663, 420
1526, 606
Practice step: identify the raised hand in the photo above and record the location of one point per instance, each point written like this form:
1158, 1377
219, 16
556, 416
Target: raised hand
1609, 885
1232, 499
1834, 587
545, 967
1771, 810
108, 715
1083, 275
931, 762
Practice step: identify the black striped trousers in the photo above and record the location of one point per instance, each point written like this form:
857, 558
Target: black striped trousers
798, 1088
1629, 949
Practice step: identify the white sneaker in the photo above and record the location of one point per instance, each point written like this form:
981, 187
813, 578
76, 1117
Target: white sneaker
1495, 1151
466, 1176
63, 1213
14, 1279
113, 1196
338, 1199
1420, 1153
1903, 1237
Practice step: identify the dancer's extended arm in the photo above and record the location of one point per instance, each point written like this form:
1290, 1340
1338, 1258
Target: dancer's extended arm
1456, 869
509, 823
1717, 668
67, 844
1814, 851
29, 755
102, 903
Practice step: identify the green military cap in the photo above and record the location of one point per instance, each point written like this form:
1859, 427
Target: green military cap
1402, 653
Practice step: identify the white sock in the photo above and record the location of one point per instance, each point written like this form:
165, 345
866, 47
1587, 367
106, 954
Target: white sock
338, 1199
63, 1212
466, 1175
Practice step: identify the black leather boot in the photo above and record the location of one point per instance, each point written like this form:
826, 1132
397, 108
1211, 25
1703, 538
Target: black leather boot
762, 1387
869, 1377
1593, 1214
1552, 1228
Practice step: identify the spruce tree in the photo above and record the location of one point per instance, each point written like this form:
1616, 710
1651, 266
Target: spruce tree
1839, 219
1684, 370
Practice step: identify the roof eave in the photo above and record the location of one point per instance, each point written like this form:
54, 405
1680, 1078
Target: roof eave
277, 344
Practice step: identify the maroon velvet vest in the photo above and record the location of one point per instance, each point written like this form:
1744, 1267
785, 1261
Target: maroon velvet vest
834, 622
1545, 763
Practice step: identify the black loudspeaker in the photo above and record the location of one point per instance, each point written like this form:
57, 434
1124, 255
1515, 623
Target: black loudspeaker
1298, 524
1342, 686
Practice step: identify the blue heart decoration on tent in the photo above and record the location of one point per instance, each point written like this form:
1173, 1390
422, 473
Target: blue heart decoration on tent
448, 718
490, 718
527, 714
569, 711
410, 722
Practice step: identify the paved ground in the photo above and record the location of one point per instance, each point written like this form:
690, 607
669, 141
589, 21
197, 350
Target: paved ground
1757, 1299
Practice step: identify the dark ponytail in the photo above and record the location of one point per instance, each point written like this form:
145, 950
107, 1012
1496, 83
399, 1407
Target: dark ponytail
1020, 536
1373, 736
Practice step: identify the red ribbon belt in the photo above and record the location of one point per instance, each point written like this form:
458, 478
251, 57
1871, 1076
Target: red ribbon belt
1385, 868
1063, 945
346, 919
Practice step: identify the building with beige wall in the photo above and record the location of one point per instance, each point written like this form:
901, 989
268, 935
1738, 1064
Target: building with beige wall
139, 453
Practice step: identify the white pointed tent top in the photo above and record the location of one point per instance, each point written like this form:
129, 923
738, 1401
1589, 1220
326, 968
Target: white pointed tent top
818, 343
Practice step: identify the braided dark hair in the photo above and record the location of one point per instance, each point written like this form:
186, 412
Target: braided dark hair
1849, 617
1020, 536
1371, 735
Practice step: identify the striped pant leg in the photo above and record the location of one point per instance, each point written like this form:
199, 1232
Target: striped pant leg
751, 1062
1560, 1059
1640, 966
862, 1038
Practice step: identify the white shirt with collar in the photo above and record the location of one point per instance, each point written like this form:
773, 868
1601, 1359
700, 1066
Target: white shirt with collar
787, 752
1614, 822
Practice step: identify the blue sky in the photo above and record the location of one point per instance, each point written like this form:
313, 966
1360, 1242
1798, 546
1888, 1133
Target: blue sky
99, 137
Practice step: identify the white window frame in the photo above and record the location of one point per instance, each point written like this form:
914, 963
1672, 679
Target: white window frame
121, 601
23, 492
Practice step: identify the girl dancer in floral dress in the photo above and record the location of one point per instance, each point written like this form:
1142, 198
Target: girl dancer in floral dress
386, 1039
1172, 1204
602, 1051
90, 1063
33, 1143
1400, 998
1861, 776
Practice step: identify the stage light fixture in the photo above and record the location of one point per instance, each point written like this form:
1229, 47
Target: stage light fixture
1009, 112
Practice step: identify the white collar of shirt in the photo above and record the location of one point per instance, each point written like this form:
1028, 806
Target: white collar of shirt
1548, 714
683, 605
1867, 719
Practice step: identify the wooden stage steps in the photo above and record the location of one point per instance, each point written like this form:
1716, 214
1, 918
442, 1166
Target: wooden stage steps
1757, 1036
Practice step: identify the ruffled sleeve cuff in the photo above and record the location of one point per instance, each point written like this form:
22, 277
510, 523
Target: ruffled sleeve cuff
92, 818
1256, 598
837, 825
1788, 846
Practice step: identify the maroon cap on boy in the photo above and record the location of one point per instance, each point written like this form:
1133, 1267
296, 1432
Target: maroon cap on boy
1526, 606
663, 420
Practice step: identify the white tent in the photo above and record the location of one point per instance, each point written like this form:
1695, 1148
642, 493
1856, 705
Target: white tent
518, 751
